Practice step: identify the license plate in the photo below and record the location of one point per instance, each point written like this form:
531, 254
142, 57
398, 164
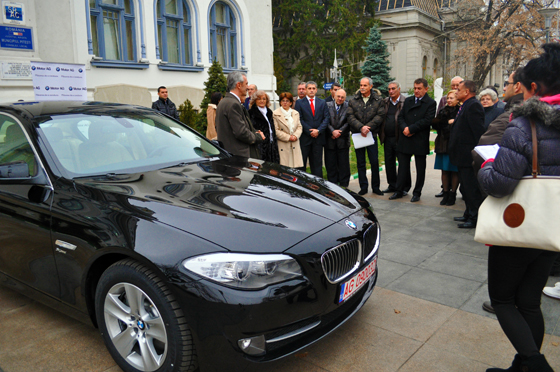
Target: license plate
350, 287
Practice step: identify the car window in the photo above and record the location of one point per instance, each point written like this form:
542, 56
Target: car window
120, 142
16, 156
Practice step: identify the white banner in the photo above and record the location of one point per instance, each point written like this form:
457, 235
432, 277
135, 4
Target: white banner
59, 81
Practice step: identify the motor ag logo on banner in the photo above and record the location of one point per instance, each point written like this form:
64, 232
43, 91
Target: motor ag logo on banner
59, 81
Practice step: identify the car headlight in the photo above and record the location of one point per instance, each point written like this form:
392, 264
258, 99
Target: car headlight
245, 271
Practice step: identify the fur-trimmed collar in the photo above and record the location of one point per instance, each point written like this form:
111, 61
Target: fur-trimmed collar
535, 109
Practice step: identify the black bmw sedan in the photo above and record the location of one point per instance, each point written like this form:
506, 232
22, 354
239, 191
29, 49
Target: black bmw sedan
183, 255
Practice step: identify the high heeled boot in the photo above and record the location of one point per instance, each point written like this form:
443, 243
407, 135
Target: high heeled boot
515, 366
452, 198
536, 363
445, 198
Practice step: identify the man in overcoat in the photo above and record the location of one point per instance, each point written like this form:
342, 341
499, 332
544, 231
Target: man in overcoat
415, 120
337, 159
465, 134
233, 124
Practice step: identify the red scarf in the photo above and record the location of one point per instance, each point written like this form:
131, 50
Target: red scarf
552, 100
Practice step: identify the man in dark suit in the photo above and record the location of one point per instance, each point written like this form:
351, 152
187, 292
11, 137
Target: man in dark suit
314, 117
233, 124
415, 120
335, 87
465, 134
337, 159
365, 114
251, 89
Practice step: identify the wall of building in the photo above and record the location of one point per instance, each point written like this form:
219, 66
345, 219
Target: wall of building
60, 34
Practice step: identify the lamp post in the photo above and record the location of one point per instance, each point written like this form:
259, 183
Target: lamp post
335, 73
548, 12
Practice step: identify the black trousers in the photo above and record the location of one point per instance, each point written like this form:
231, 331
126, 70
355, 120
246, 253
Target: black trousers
313, 151
373, 157
404, 177
471, 192
390, 151
337, 162
516, 278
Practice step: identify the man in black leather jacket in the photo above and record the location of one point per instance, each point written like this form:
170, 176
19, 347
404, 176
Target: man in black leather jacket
164, 104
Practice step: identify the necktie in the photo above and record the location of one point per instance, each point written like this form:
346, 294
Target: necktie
312, 106
417, 99
337, 109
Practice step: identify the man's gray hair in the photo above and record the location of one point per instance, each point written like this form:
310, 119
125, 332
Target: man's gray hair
310, 83
233, 78
457, 77
488, 92
370, 82
396, 83
302, 83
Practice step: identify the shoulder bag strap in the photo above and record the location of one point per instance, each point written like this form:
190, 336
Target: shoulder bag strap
535, 150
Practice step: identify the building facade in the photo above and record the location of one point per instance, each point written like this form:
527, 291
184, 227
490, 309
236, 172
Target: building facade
131, 47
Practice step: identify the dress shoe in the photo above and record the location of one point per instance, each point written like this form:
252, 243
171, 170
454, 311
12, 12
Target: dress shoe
415, 198
452, 198
377, 191
515, 366
487, 306
396, 195
460, 219
536, 363
445, 198
467, 225
388, 190
440, 195
362, 192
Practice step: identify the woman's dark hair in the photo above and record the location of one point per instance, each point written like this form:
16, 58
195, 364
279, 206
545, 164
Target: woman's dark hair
543, 71
216, 97
286, 95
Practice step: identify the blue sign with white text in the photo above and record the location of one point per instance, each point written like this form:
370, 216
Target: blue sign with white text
327, 86
13, 37
13, 13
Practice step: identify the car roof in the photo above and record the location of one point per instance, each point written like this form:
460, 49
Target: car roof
34, 109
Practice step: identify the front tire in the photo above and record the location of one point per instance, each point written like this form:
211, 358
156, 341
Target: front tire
141, 322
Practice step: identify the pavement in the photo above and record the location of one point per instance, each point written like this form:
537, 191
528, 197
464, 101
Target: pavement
424, 315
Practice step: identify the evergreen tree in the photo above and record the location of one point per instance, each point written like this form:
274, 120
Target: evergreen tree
306, 33
216, 82
376, 65
187, 114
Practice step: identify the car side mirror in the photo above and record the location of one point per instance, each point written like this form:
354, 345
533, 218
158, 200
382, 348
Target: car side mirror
19, 169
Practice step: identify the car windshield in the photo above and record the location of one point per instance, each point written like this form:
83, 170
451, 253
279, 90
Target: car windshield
120, 142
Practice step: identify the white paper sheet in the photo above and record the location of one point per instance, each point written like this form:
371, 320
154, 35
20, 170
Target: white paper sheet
361, 141
487, 151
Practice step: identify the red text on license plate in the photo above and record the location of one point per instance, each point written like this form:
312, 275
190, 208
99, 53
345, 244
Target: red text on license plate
350, 287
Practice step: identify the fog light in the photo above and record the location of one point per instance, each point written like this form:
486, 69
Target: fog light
253, 345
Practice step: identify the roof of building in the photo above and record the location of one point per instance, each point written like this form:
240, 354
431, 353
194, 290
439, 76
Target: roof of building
428, 6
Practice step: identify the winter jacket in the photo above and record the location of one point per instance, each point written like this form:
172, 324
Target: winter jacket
491, 113
371, 113
399, 108
466, 132
167, 107
514, 160
441, 124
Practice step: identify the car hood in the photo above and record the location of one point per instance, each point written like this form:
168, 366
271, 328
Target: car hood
241, 204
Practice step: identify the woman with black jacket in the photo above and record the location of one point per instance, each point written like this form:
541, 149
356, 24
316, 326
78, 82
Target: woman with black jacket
261, 115
449, 172
516, 276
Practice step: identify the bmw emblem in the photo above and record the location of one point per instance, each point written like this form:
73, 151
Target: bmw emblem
47, 87
58, 69
80, 70
70, 89
351, 224
33, 68
140, 324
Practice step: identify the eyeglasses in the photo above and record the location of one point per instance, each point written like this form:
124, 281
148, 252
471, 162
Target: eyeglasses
506, 83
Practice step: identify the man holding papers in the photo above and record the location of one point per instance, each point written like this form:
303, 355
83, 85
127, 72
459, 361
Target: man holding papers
414, 123
365, 115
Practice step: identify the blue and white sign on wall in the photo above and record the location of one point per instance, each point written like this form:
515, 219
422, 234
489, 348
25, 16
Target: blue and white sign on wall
12, 37
13, 13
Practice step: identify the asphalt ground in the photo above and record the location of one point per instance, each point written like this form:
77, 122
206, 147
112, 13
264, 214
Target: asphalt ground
424, 315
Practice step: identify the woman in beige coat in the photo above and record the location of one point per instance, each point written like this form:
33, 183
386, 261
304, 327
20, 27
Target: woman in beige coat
211, 133
288, 130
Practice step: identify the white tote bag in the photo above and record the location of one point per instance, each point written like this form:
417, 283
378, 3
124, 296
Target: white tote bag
529, 217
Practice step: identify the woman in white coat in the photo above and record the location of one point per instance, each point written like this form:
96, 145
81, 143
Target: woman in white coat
288, 130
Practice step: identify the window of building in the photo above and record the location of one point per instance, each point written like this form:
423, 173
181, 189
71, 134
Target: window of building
436, 67
424, 66
174, 32
223, 35
113, 30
